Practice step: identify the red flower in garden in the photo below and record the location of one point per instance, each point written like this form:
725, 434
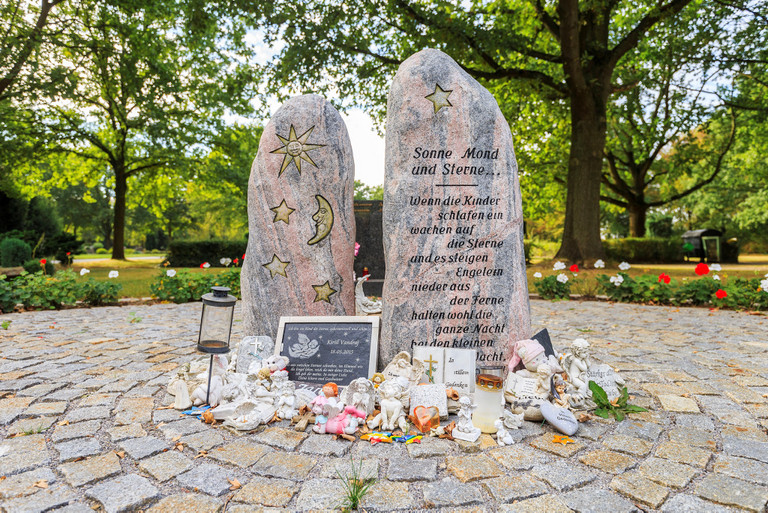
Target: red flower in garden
43, 261
68, 253
702, 269
236, 260
721, 294
243, 257
574, 268
664, 278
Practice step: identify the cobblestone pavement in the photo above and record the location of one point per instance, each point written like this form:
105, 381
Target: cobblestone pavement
82, 428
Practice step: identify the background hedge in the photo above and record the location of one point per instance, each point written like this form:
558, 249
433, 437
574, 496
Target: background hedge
192, 253
653, 250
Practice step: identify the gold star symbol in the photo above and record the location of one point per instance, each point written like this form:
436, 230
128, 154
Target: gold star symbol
439, 98
282, 211
323, 292
563, 439
295, 149
276, 266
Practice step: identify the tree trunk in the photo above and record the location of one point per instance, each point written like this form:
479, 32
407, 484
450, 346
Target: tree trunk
637, 214
118, 240
581, 234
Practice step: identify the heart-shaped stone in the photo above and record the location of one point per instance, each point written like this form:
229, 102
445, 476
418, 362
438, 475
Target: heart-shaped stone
561, 418
425, 418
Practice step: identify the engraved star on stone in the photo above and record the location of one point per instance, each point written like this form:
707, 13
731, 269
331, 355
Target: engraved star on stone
282, 211
440, 98
295, 149
276, 266
323, 292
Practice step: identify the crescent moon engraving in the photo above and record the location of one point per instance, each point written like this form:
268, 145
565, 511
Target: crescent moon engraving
323, 219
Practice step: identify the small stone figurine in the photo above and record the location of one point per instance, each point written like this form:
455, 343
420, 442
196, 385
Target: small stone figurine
576, 363
465, 430
392, 412
364, 305
339, 420
503, 437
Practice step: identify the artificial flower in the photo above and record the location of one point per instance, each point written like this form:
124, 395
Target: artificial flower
114, 274
357, 248
562, 278
538, 275
559, 266
574, 268
721, 294
84, 271
701, 269
170, 273
624, 266
599, 264
664, 278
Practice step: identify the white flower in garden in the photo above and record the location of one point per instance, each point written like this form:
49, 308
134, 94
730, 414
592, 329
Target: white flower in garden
715, 277
225, 262
206, 265
170, 273
84, 271
764, 284
537, 275
558, 266
617, 280
599, 264
715, 267
114, 274
562, 278
624, 266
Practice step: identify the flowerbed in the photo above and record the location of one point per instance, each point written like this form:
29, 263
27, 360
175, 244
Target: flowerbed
708, 289
42, 290
182, 286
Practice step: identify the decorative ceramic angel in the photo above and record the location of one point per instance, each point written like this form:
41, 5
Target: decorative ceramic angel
512, 420
286, 401
503, 437
217, 383
465, 430
361, 394
576, 363
392, 412
401, 366
364, 305
339, 419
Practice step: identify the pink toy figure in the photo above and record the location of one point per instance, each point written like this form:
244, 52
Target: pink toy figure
339, 423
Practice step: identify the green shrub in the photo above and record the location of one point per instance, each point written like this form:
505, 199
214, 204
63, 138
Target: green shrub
549, 288
644, 250
97, 246
699, 291
93, 292
44, 291
185, 286
33, 266
14, 252
188, 253
102, 251
7, 297
641, 289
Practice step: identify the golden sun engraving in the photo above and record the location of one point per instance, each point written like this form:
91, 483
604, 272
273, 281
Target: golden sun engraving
295, 149
439, 98
323, 292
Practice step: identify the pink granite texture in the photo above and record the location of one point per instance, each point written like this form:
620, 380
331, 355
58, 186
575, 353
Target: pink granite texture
317, 279
479, 296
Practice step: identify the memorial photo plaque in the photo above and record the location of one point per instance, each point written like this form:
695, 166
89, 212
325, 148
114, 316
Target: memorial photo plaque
323, 349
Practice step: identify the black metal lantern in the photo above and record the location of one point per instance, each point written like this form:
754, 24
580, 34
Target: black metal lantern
216, 321
216, 326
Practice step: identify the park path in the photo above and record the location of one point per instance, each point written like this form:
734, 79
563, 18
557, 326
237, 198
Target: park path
82, 427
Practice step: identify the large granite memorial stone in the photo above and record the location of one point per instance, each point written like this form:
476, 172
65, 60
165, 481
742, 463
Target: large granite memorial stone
453, 222
300, 218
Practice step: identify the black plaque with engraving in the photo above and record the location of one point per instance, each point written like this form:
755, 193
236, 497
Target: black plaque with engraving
329, 349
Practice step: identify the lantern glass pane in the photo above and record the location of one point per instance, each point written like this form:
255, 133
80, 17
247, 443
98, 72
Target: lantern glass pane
215, 326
